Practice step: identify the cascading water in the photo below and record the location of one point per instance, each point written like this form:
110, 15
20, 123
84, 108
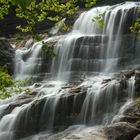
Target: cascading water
82, 90
26, 60
90, 48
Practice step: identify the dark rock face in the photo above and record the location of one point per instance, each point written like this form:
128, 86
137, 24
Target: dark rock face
121, 131
21, 100
68, 109
6, 54
137, 83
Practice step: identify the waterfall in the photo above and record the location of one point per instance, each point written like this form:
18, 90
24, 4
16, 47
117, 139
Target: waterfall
129, 100
90, 48
82, 89
26, 60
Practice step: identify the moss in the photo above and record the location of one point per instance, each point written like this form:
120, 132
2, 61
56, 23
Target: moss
138, 100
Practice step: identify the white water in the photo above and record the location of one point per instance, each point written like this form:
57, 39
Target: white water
90, 48
129, 100
86, 49
26, 60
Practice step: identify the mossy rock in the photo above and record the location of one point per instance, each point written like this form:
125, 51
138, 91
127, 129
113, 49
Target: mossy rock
137, 94
138, 100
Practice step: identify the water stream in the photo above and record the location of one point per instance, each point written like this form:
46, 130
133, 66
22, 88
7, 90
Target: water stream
82, 95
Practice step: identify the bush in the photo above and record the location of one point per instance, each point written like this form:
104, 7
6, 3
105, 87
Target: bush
8, 86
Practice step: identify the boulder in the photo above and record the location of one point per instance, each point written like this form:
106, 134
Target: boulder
130, 119
6, 54
137, 137
121, 131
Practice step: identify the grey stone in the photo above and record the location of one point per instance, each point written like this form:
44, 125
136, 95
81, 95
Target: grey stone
137, 137
121, 131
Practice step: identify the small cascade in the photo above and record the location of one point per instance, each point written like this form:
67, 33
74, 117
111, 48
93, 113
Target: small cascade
27, 61
98, 98
130, 95
131, 87
129, 100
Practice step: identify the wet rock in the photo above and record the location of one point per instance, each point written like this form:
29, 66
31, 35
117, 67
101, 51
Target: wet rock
132, 114
137, 137
21, 100
36, 85
68, 109
128, 73
130, 119
137, 88
137, 74
106, 81
47, 56
28, 120
88, 136
6, 54
137, 83
75, 90
38, 115
121, 131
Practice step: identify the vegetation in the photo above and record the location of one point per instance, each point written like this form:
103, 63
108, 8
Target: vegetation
136, 27
138, 100
35, 11
8, 86
99, 20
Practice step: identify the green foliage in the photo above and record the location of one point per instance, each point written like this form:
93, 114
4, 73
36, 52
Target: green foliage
90, 3
136, 27
48, 50
138, 101
64, 27
33, 11
99, 20
27, 91
5, 78
8, 86
37, 37
5, 81
4, 8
